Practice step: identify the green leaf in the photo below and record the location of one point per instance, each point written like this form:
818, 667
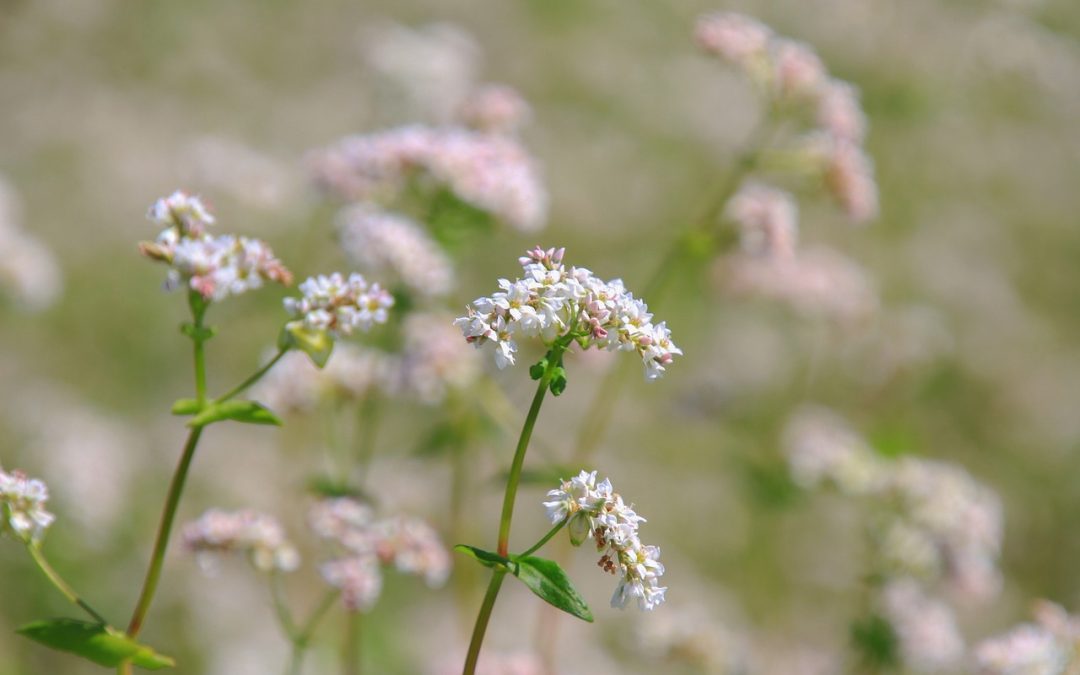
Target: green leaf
328, 487
248, 412
549, 582
315, 343
485, 558
196, 333
536, 370
186, 406
99, 643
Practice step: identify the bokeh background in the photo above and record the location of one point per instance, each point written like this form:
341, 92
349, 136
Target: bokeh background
972, 356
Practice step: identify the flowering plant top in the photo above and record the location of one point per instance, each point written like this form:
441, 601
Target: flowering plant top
554, 302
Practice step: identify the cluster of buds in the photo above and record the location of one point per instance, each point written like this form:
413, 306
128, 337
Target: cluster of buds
790, 73
337, 305
22, 507
408, 544
383, 241
1050, 645
594, 510
491, 172
552, 301
214, 267
258, 536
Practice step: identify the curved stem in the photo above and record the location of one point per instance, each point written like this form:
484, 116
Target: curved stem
61, 585
517, 464
482, 618
301, 636
350, 657
161, 543
281, 607
255, 377
306, 631
545, 539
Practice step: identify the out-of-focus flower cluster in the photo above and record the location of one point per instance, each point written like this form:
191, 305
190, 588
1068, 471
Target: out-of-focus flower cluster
214, 267
792, 78
433, 361
408, 544
338, 305
22, 507
934, 525
552, 301
595, 510
383, 241
491, 172
1049, 646
257, 535
29, 273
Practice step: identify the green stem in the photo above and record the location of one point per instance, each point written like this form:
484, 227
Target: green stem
306, 631
545, 539
281, 607
301, 636
161, 543
482, 618
255, 377
199, 335
61, 585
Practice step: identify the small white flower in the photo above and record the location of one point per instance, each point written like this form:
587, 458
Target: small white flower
183, 213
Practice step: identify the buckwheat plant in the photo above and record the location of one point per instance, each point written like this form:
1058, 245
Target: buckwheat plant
566, 307
210, 269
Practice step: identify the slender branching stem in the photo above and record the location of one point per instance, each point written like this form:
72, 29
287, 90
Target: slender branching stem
58, 581
545, 539
255, 377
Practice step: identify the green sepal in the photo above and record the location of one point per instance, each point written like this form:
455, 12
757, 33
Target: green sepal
486, 558
196, 333
578, 527
104, 645
248, 412
537, 370
549, 582
315, 343
186, 406
558, 380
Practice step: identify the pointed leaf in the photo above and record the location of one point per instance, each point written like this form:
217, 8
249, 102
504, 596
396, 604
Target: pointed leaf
97, 642
315, 343
248, 412
485, 558
548, 581
186, 406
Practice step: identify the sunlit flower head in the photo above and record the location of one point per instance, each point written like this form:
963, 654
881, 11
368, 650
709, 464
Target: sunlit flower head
594, 510
552, 302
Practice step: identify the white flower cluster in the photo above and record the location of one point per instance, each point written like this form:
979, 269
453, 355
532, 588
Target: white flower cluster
938, 522
926, 630
22, 507
383, 241
255, 534
409, 544
791, 73
339, 305
596, 510
934, 525
29, 273
214, 267
491, 172
552, 301
1049, 646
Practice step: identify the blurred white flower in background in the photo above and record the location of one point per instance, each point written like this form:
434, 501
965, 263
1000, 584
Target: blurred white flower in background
29, 272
